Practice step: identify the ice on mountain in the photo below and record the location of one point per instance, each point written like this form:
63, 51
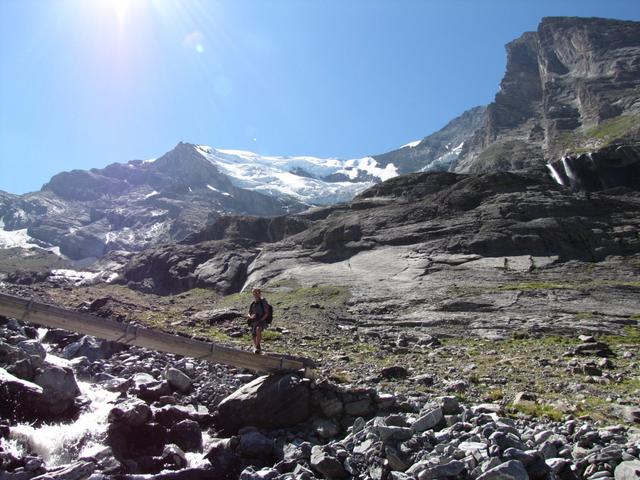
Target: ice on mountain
411, 144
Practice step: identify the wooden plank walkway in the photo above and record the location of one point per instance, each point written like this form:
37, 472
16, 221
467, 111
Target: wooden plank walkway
56, 317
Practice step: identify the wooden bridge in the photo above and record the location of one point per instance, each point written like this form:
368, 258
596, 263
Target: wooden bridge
56, 317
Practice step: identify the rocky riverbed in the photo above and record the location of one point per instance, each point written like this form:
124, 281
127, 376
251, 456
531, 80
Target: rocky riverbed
74, 407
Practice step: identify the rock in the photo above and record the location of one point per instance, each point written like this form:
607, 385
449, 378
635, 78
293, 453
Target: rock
451, 469
631, 414
92, 348
217, 316
599, 349
76, 471
133, 412
629, 470
254, 445
33, 348
429, 421
511, 470
186, 435
327, 465
456, 386
18, 398
449, 405
222, 457
522, 398
173, 457
130, 442
274, 401
424, 379
325, 428
59, 388
395, 371
178, 380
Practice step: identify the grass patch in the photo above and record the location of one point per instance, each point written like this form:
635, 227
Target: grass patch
613, 128
539, 410
630, 335
606, 133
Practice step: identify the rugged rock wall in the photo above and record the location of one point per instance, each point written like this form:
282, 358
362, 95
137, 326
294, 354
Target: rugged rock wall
569, 86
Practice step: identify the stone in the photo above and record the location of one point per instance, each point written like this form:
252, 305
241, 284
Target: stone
18, 398
449, 405
75, 471
132, 412
222, 456
327, 465
430, 420
178, 380
274, 401
629, 470
33, 348
255, 445
511, 470
59, 388
631, 414
187, 435
395, 371
451, 469
325, 428
92, 348
424, 379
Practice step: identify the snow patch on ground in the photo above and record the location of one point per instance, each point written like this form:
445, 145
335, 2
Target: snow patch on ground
149, 195
218, 191
411, 144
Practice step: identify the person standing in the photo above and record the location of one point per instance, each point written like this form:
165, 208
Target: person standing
258, 313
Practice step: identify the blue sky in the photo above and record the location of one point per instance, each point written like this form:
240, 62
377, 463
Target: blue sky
85, 83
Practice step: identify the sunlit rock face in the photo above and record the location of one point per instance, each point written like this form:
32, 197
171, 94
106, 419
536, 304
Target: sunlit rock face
610, 167
569, 86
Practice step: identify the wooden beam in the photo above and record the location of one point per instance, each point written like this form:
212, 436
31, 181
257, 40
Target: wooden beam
56, 317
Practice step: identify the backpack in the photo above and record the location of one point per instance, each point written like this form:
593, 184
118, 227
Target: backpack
267, 306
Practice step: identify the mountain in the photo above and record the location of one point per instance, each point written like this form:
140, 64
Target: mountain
570, 88
141, 203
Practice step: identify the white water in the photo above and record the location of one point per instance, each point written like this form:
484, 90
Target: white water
59, 444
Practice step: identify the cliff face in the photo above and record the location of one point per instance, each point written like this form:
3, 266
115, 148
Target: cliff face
571, 86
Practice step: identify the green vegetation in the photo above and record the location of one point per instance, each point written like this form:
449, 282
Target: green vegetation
614, 128
606, 133
630, 336
539, 410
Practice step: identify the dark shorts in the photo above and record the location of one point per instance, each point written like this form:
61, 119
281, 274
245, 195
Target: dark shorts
254, 327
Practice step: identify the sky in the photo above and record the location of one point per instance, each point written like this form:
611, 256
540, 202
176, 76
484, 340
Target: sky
86, 83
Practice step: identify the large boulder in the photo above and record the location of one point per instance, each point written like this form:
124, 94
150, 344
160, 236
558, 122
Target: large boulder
274, 401
92, 348
18, 398
59, 389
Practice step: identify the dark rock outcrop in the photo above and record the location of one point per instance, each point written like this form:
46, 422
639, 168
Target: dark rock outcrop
274, 401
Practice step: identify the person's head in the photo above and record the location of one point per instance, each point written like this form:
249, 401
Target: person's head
257, 293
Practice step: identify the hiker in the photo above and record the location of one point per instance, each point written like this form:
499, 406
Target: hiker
258, 313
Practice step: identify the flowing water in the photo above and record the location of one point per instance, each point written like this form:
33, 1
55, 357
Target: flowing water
62, 443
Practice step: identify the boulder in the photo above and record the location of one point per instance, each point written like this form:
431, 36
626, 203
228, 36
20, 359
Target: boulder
92, 348
186, 435
629, 470
179, 381
274, 401
33, 348
511, 470
223, 458
133, 412
17, 397
327, 465
59, 389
